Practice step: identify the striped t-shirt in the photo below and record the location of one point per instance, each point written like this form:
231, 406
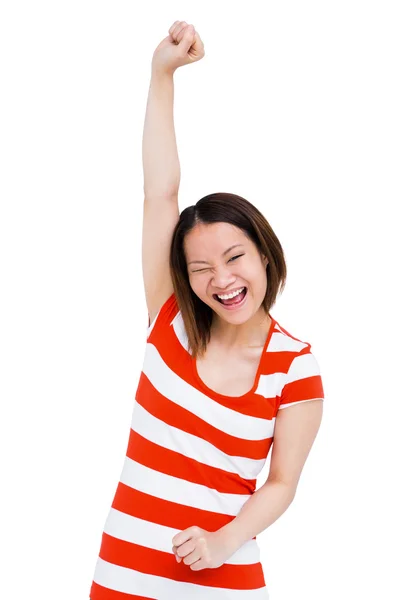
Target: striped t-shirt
193, 458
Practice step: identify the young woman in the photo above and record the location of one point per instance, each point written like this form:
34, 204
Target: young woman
217, 372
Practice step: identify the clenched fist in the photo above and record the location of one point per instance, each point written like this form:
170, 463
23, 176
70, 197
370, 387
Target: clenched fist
182, 46
202, 549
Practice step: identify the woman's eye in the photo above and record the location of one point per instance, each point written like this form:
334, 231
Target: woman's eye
233, 257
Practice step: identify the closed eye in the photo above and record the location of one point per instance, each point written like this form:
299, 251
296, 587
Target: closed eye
233, 257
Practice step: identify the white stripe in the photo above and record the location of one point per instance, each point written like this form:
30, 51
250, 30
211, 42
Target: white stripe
174, 489
170, 385
281, 342
192, 446
302, 366
269, 385
132, 582
159, 537
298, 402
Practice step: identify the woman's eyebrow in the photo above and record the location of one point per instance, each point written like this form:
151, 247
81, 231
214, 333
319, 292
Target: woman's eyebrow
223, 254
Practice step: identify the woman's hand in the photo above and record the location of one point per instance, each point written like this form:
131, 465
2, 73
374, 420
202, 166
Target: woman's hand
181, 47
201, 549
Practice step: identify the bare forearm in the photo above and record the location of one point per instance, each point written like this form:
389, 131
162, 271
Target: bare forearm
264, 507
161, 169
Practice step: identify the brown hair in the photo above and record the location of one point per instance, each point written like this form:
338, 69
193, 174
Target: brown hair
228, 208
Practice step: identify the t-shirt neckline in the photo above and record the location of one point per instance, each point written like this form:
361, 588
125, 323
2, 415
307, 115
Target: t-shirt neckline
212, 393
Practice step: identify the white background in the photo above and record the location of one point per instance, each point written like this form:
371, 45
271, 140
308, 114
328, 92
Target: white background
296, 107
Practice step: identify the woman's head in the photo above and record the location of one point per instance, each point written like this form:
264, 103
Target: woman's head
222, 244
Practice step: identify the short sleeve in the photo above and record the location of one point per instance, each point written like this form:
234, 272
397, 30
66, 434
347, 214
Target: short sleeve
303, 381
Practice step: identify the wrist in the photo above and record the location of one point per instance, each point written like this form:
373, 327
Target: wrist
232, 540
160, 73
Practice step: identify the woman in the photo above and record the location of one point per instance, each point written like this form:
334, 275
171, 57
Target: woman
218, 370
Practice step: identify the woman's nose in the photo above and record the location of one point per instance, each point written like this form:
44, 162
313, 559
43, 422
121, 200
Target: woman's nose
223, 278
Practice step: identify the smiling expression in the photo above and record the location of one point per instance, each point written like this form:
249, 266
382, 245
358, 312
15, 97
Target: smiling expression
221, 259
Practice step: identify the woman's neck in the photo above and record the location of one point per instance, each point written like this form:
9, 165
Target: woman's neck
251, 333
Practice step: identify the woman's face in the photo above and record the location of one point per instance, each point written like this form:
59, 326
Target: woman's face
215, 267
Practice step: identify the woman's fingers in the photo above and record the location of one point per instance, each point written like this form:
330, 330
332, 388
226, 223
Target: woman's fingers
198, 42
177, 31
172, 26
177, 28
196, 51
180, 31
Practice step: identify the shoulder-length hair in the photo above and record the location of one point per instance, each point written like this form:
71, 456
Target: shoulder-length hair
228, 208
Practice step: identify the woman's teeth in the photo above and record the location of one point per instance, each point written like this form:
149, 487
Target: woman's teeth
234, 300
227, 296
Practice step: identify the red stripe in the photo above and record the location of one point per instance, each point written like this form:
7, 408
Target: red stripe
98, 592
302, 389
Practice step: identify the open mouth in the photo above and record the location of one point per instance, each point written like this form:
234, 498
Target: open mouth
235, 301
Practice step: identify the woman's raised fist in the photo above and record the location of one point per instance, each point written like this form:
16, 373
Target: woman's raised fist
182, 46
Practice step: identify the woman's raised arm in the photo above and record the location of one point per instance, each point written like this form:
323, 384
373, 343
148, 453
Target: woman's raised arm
161, 167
